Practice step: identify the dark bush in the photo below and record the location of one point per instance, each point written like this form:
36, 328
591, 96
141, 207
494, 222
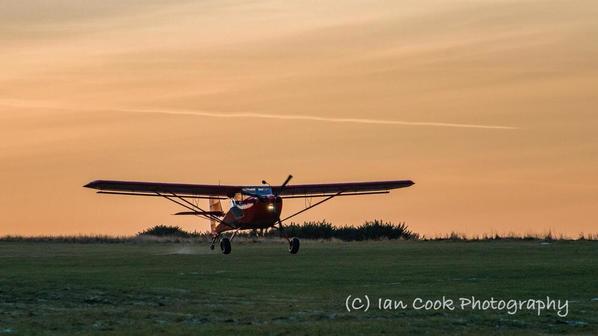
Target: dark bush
165, 231
371, 230
311, 230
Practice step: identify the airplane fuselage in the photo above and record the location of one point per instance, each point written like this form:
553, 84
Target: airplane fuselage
252, 213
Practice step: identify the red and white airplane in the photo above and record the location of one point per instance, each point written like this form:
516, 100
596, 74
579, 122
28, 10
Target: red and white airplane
252, 207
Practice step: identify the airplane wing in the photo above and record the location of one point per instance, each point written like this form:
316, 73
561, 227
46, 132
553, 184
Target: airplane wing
216, 191
154, 189
351, 188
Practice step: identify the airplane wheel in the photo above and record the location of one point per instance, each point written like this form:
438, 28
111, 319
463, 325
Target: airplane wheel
225, 245
294, 245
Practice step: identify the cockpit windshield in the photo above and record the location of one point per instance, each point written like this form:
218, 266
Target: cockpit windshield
261, 191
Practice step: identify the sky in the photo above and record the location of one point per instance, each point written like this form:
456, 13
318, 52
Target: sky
489, 106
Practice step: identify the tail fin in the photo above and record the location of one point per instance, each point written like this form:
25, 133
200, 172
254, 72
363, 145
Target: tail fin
214, 206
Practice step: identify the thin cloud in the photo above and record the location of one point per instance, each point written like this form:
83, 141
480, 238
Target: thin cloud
243, 115
319, 119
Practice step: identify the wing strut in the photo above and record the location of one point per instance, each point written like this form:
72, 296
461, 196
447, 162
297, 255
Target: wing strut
194, 208
313, 205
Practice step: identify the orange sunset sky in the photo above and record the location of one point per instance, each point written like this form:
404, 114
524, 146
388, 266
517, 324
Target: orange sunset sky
489, 106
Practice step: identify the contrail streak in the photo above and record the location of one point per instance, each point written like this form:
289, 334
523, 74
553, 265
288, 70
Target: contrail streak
270, 116
316, 118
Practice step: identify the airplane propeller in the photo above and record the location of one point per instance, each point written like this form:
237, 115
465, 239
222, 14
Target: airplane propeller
283, 185
279, 191
294, 242
261, 197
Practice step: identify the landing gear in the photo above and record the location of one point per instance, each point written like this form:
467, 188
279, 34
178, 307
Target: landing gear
293, 242
225, 245
213, 242
294, 245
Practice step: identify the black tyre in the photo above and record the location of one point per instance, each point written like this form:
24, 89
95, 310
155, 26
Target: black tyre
225, 245
294, 245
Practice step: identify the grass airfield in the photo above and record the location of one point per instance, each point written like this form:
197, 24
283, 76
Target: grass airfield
180, 288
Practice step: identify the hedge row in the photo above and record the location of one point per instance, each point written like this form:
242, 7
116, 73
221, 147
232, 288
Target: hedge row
370, 230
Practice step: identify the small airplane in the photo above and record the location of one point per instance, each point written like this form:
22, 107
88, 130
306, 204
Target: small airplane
251, 207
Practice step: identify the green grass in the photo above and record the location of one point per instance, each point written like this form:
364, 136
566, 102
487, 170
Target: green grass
167, 288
